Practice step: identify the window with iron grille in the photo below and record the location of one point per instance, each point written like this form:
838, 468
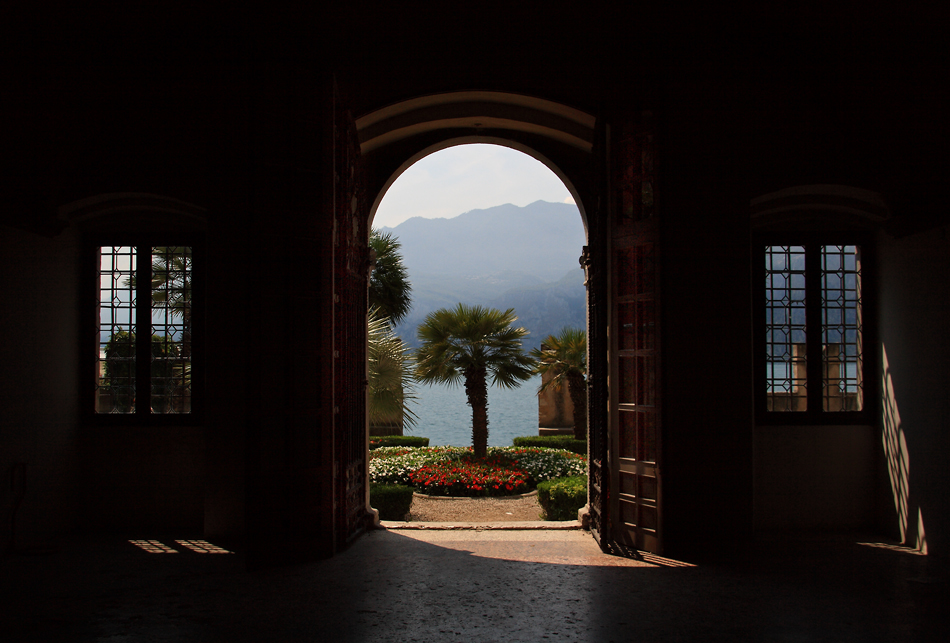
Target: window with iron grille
144, 330
811, 354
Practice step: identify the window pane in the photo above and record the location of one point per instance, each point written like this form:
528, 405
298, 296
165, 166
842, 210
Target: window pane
842, 384
115, 390
171, 330
785, 328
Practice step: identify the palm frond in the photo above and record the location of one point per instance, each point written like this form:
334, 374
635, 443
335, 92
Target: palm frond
389, 286
559, 356
391, 386
453, 339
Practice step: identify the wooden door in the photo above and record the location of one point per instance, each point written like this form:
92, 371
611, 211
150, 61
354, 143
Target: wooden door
594, 261
350, 269
634, 337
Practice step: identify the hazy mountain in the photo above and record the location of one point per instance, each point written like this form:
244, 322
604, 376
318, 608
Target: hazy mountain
542, 239
505, 257
546, 309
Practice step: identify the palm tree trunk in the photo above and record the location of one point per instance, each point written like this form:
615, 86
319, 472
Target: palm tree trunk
476, 389
577, 387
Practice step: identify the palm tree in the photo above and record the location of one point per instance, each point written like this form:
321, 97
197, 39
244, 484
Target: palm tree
471, 342
389, 288
391, 382
564, 356
391, 378
171, 287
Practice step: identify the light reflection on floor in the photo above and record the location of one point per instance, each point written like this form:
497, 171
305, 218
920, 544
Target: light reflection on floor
197, 546
552, 547
202, 547
153, 547
897, 548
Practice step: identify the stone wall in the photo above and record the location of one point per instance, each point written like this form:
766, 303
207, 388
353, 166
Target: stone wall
555, 409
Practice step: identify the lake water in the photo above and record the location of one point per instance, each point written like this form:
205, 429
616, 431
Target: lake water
446, 419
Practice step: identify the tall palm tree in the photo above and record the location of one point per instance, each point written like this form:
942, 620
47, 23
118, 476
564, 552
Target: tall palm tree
564, 356
389, 288
470, 343
391, 381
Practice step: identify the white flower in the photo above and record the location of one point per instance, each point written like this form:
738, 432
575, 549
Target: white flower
394, 465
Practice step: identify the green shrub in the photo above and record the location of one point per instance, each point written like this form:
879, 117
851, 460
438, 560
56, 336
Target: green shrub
376, 441
553, 442
561, 498
391, 500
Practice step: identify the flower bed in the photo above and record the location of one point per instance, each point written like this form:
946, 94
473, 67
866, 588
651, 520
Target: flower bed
497, 475
453, 471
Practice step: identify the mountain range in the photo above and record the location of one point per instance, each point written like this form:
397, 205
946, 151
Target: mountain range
507, 256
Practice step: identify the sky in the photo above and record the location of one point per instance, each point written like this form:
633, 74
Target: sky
468, 177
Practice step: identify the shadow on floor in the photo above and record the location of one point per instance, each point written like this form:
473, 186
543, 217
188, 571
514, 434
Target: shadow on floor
472, 586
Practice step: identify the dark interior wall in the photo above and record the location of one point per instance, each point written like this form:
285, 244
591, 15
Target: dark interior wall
241, 143
39, 426
817, 479
288, 369
914, 318
705, 299
143, 480
231, 344
181, 132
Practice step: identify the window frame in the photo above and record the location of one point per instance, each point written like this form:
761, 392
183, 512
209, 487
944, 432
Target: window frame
90, 328
814, 414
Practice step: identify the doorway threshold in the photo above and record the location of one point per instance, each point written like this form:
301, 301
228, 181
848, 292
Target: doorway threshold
538, 525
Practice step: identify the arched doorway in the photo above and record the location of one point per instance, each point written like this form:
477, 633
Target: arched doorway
486, 225
611, 175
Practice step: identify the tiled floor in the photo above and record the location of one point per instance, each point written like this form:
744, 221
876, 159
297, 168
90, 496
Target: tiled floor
471, 585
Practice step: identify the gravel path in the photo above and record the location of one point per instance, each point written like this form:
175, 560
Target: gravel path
434, 509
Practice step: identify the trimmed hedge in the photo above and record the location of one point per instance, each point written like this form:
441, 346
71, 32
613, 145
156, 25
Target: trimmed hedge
561, 498
391, 500
376, 441
553, 442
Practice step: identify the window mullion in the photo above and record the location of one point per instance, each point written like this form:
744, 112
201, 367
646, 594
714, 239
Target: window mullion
143, 326
814, 327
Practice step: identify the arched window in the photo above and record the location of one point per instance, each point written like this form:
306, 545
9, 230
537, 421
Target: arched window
142, 303
812, 252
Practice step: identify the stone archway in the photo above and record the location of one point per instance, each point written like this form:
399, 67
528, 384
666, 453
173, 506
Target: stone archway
561, 137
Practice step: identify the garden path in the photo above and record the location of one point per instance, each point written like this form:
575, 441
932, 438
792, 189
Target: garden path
510, 509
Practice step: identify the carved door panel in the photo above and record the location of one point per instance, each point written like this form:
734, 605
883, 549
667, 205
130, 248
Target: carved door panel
595, 265
634, 382
350, 266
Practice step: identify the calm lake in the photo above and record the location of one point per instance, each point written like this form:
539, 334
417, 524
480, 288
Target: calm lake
446, 419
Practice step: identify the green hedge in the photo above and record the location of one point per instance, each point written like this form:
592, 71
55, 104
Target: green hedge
561, 498
397, 441
553, 442
391, 500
